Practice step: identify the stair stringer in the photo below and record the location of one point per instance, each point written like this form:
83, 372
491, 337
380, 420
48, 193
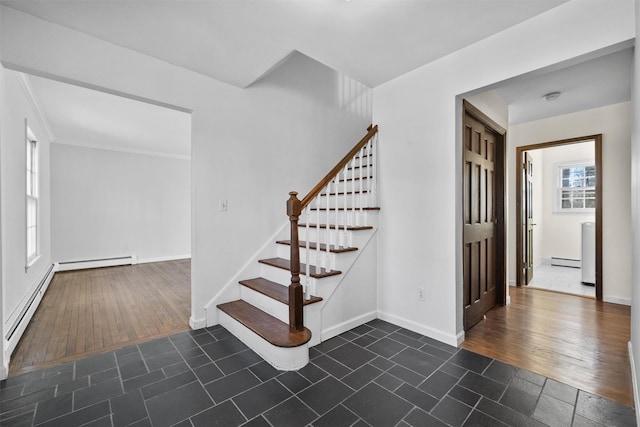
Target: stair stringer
231, 290
353, 301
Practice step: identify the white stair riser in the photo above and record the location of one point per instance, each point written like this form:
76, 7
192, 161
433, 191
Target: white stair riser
284, 359
352, 238
357, 200
351, 184
336, 261
317, 287
355, 218
281, 311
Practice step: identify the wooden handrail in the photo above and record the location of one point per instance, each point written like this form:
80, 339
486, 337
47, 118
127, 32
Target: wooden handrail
294, 210
337, 168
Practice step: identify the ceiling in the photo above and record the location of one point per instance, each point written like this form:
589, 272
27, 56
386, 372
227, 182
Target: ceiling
85, 117
237, 41
595, 83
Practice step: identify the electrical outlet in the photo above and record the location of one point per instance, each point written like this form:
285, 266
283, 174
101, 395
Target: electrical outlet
420, 295
223, 205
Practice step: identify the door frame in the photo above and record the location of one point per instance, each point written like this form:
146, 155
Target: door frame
500, 195
519, 220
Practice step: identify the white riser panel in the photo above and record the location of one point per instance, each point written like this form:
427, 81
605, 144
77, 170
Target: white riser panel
353, 217
337, 261
268, 305
283, 359
313, 235
356, 200
366, 184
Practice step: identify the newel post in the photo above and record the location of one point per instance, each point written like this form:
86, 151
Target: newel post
295, 288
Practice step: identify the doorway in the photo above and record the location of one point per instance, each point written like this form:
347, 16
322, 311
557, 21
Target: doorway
576, 187
483, 154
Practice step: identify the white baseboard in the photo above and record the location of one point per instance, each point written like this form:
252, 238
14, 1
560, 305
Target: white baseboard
617, 300
508, 299
12, 340
161, 258
421, 329
96, 263
512, 283
634, 380
197, 323
348, 325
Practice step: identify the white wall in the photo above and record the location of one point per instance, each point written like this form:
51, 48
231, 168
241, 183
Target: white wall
634, 344
18, 283
420, 170
111, 203
562, 236
614, 122
249, 146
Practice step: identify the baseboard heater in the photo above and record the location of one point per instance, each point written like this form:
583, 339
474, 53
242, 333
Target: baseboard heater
45, 280
96, 263
566, 262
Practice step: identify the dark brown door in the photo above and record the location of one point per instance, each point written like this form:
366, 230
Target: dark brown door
527, 214
479, 212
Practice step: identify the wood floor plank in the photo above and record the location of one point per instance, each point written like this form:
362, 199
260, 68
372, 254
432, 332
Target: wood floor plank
87, 312
579, 341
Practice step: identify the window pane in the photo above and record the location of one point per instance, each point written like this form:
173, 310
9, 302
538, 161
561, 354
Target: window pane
566, 204
577, 194
566, 194
590, 171
578, 203
31, 242
577, 182
566, 172
590, 203
591, 181
577, 172
566, 183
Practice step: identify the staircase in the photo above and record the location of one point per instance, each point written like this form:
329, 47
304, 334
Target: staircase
280, 314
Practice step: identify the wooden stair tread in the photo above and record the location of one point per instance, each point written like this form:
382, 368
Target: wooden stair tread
341, 209
274, 290
323, 247
349, 227
268, 327
285, 265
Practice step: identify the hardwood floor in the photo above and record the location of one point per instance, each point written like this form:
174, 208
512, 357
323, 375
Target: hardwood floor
85, 312
575, 340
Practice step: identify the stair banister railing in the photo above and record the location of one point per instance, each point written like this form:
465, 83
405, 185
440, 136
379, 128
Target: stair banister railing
295, 207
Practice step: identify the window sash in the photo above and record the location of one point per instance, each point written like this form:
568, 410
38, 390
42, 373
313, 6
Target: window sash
32, 201
575, 188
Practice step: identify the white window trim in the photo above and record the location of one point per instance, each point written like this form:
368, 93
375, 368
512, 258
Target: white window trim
31, 259
557, 185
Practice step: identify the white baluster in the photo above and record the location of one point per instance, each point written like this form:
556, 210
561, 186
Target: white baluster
345, 197
359, 222
374, 173
327, 242
307, 216
336, 203
318, 204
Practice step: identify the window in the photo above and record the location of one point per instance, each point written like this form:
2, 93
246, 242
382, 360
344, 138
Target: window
32, 198
576, 187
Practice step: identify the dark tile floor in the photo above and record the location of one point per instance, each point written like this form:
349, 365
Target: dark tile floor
376, 374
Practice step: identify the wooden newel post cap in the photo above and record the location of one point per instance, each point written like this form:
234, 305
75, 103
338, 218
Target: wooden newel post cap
293, 204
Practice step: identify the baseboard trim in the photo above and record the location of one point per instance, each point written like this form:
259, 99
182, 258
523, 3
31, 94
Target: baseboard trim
634, 381
197, 323
162, 259
96, 263
420, 329
15, 333
617, 300
348, 325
